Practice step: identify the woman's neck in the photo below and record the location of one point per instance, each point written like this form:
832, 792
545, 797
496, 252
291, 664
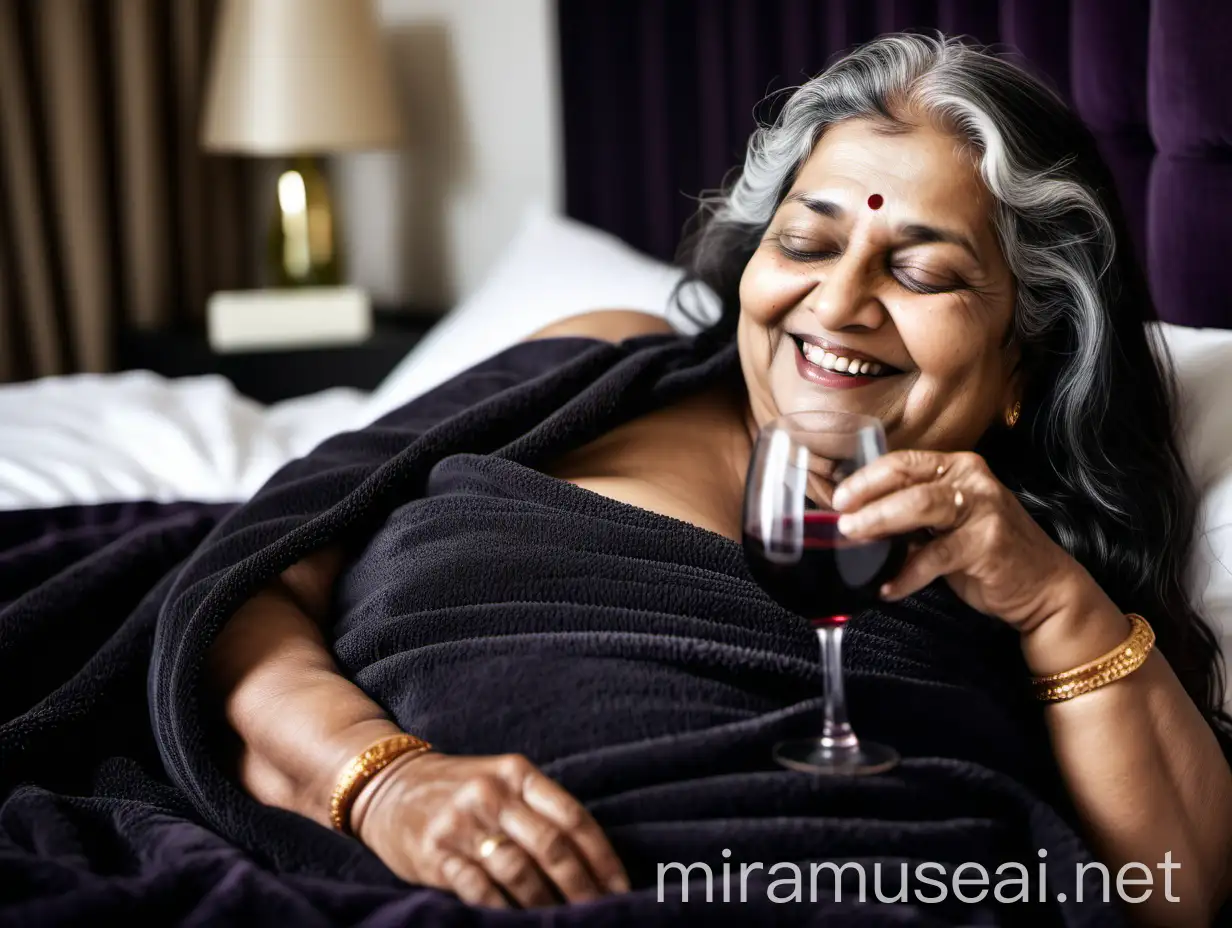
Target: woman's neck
736, 447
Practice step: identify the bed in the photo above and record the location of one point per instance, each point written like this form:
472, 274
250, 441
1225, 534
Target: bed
191, 449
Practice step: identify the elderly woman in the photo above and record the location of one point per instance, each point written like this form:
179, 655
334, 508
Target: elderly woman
924, 235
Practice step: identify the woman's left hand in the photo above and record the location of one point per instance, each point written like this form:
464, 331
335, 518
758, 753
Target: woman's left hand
987, 547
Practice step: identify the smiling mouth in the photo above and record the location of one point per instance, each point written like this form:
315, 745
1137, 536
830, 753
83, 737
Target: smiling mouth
840, 363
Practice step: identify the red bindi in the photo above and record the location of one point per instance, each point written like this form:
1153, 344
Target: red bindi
875, 201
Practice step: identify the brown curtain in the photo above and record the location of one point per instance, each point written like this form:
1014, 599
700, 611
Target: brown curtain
110, 213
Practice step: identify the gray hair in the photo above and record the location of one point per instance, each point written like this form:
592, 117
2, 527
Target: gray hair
1056, 236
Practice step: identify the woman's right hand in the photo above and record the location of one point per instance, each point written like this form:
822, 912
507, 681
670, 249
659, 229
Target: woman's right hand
430, 816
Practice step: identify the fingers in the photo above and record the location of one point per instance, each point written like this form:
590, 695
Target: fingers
471, 883
550, 800
479, 804
975, 532
899, 470
509, 865
938, 506
553, 850
526, 836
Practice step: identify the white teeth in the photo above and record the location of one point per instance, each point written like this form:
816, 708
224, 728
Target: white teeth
833, 362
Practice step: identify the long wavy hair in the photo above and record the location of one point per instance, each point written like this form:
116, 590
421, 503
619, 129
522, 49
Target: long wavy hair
1094, 457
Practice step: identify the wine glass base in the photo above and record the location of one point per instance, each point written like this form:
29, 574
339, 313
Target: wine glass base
809, 755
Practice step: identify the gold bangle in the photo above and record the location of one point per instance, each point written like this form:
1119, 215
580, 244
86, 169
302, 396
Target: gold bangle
362, 769
1117, 663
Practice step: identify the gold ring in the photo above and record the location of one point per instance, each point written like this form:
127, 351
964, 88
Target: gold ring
488, 846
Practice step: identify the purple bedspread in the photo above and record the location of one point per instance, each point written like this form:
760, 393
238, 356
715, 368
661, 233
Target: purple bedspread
36, 544
115, 807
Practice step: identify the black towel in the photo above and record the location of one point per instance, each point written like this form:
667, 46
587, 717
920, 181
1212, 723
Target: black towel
492, 608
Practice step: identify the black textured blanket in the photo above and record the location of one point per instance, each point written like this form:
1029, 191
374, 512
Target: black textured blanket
492, 609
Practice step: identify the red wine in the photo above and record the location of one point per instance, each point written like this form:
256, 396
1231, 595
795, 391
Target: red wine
832, 577
829, 621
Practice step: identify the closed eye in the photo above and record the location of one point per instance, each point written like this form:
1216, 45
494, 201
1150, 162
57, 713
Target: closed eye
916, 285
797, 254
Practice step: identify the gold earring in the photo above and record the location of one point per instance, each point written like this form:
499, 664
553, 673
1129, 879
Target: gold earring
1011, 417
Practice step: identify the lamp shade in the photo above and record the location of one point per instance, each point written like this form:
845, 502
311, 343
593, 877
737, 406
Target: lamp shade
291, 77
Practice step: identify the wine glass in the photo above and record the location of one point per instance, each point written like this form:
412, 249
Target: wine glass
798, 556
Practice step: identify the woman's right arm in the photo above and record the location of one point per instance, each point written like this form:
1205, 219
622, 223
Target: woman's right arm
300, 721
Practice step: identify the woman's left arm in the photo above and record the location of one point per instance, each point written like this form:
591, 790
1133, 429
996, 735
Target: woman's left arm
1144, 768
1141, 763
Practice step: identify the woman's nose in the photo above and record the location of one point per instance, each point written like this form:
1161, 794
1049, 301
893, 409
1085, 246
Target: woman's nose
843, 296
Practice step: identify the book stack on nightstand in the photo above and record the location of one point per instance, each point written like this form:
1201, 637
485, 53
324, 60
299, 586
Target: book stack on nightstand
271, 374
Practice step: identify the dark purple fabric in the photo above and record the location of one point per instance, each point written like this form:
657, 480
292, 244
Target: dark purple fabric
1038, 33
1109, 88
36, 544
659, 99
116, 805
71, 643
1189, 236
469, 612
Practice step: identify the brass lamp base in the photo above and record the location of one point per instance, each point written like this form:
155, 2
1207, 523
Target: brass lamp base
303, 247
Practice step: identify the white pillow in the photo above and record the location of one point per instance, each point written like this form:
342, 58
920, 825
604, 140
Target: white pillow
87, 439
1204, 370
554, 268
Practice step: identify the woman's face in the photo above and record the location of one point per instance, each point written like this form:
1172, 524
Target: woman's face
917, 285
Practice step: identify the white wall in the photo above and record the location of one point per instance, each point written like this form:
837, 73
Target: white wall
477, 80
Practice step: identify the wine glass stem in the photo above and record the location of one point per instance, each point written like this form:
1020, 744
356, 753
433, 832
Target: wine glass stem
836, 731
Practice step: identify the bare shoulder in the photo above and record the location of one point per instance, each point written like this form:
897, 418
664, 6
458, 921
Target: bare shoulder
611, 325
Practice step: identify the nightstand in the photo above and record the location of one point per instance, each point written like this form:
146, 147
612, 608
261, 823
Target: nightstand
270, 375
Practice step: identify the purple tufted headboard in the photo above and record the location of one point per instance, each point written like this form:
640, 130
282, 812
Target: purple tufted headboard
658, 99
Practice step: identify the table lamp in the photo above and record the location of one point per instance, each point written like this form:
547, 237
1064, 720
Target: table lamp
300, 79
